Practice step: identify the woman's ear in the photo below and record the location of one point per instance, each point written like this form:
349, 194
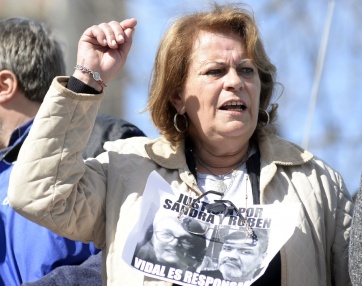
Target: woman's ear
178, 102
8, 85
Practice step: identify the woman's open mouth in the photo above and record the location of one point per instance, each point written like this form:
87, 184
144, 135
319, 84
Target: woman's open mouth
233, 106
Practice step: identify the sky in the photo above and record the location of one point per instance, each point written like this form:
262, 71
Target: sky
293, 48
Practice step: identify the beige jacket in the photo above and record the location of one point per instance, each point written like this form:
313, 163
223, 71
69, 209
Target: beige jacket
100, 200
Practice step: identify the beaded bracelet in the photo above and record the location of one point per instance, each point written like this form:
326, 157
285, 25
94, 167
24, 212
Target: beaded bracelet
95, 75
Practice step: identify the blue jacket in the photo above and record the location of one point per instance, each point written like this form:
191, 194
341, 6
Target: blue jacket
29, 251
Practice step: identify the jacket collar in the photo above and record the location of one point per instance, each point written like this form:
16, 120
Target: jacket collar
273, 149
17, 138
170, 155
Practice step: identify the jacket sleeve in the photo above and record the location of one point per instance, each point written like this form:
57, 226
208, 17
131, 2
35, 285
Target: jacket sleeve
50, 183
89, 273
355, 247
343, 218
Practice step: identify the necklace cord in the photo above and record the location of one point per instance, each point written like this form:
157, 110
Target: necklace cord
252, 167
220, 181
243, 160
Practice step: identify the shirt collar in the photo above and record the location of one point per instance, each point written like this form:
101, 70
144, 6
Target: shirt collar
16, 140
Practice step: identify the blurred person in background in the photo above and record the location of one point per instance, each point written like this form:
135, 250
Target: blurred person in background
355, 247
211, 99
30, 57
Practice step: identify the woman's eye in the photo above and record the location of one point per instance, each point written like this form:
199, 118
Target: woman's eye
246, 72
214, 72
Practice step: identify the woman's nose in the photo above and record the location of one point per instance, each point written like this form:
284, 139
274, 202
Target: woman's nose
233, 81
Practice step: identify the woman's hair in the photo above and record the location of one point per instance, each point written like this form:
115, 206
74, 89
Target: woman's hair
30, 50
174, 56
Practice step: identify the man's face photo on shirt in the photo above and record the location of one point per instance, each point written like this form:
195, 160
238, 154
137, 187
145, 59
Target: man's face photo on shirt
240, 257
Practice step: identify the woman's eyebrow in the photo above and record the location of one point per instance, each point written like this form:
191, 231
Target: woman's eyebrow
243, 61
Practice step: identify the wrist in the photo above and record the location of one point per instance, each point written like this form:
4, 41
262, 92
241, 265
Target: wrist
78, 86
89, 77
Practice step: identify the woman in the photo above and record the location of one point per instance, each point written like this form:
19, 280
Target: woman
167, 243
212, 85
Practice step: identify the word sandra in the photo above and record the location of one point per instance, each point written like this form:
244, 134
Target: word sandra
254, 215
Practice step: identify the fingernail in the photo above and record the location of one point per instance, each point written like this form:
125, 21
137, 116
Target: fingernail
120, 38
114, 42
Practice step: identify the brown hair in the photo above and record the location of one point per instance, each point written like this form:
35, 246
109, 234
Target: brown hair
173, 59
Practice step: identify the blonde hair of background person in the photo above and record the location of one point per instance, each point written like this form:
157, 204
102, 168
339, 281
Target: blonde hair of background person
218, 86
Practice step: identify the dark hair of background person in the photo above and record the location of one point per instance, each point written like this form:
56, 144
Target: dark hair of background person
108, 128
35, 68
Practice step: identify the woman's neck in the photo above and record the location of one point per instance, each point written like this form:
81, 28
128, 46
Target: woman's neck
220, 162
